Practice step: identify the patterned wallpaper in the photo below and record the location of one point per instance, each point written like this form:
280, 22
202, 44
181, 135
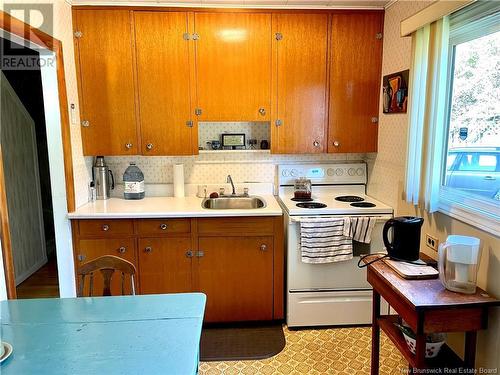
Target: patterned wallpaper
209, 131
388, 165
63, 30
213, 167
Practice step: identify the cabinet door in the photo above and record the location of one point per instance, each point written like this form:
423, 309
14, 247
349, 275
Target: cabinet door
236, 274
300, 44
106, 82
163, 75
91, 249
233, 65
165, 265
355, 68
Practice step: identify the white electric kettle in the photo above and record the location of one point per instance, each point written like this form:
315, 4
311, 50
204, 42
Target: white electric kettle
458, 263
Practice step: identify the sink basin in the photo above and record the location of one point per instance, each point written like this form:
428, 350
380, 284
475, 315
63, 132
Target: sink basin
233, 203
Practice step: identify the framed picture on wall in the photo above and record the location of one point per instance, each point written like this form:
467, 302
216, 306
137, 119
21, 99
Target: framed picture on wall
395, 92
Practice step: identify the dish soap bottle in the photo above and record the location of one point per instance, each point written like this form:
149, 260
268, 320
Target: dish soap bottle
134, 182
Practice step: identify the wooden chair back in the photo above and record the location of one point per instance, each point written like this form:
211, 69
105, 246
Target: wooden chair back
107, 265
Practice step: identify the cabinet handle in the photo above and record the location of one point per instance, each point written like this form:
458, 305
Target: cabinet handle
336, 143
148, 249
262, 111
105, 227
149, 146
263, 247
163, 226
374, 120
316, 144
189, 254
81, 257
122, 249
128, 146
85, 123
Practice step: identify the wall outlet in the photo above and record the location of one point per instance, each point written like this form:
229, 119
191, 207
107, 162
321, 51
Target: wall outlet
431, 242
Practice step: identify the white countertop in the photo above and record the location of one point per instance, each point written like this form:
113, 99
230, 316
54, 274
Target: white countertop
165, 207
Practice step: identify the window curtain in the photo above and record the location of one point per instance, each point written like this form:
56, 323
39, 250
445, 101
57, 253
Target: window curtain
426, 144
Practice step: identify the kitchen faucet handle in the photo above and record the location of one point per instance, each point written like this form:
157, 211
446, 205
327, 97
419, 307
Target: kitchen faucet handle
221, 191
245, 191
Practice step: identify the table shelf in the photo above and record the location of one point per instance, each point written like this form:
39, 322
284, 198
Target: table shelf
446, 358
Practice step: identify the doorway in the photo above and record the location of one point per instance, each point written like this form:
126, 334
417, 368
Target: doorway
27, 175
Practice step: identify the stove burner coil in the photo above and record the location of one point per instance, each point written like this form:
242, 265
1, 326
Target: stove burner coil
349, 198
363, 204
302, 199
311, 205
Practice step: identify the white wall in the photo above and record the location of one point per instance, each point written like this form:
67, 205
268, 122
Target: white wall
387, 178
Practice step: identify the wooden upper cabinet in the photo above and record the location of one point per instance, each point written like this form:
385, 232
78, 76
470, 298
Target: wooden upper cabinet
233, 66
106, 85
164, 78
355, 69
299, 121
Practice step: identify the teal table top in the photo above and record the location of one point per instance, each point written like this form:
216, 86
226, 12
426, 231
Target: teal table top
150, 334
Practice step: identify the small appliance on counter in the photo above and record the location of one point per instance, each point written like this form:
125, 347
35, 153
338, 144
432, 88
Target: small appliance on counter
302, 189
104, 181
134, 182
458, 263
405, 244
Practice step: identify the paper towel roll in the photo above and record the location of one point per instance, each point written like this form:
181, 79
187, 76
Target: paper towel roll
178, 180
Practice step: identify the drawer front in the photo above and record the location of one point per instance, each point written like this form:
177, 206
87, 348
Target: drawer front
105, 228
163, 226
237, 225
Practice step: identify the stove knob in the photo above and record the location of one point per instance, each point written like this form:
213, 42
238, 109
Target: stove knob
339, 171
351, 172
294, 173
330, 172
285, 173
360, 172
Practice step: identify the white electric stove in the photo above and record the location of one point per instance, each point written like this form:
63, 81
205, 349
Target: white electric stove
332, 293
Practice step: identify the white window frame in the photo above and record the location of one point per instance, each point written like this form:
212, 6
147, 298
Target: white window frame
467, 25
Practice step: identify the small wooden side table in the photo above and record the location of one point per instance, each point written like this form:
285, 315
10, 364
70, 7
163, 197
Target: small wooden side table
427, 307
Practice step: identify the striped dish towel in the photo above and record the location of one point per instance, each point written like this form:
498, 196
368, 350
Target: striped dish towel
322, 240
359, 228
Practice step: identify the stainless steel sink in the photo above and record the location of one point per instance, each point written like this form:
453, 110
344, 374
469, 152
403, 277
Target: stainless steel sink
233, 203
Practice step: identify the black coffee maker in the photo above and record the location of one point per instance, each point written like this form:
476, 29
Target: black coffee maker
405, 243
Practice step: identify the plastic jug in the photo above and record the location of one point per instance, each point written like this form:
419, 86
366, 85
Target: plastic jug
458, 263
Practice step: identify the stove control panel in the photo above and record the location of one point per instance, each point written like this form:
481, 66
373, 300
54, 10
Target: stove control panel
323, 174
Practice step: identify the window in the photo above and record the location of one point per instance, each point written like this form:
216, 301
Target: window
470, 177
474, 117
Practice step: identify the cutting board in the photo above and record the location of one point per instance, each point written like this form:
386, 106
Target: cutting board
411, 271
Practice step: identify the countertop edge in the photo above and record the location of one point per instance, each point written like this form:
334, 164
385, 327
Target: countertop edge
166, 215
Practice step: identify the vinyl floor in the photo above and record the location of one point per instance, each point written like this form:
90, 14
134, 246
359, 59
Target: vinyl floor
336, 351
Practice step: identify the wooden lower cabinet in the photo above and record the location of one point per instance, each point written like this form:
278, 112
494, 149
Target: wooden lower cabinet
238, 262
165, 265
89, 249
236, 274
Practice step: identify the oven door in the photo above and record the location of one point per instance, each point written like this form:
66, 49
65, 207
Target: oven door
339, 276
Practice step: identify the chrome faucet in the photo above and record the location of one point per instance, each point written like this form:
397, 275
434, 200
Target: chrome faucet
230, 180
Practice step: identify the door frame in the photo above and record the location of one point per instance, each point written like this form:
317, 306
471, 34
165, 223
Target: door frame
19, 29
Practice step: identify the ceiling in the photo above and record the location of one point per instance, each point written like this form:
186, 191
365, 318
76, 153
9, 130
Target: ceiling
280, 4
